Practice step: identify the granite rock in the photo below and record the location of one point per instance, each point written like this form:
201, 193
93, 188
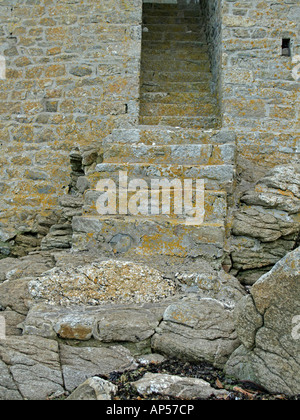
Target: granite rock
81, 363
176, 386
93, 389
267, 225
267, 322
30, 368
197, 330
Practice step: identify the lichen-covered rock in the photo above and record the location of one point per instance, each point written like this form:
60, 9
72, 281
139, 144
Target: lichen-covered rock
279, 189
267, 322
213, 284
108, 281
176, 386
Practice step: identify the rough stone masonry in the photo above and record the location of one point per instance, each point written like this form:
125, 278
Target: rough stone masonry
71, 112
72, 76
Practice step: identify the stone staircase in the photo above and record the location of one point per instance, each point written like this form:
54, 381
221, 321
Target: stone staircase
160, 240
178, 139
175, 69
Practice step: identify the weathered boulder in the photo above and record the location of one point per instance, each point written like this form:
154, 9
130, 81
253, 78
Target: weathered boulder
15, 275
94, 389
176, 386
36, 368
125, 324
49, 321
196, 329
107, 281
268, 325
30, 368
8, 389
12, 321
14, 303
279, 189
152, 358
80, 363
14, 294
267, 225
105, 323
31, 265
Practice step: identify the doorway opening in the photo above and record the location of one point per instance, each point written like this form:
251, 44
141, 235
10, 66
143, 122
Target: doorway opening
180, 66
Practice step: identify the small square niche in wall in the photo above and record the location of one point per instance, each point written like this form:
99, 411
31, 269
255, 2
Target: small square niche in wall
286, 47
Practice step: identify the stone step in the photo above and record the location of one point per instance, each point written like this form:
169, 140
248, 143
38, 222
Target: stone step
172, 55
177, 110
159, 86
171, 20
167, 204
144, 237
184, 27
186, 66
199, 123
175, 36
174, 39
171, 77
151, 136
179, 45
175, 13
216, 177
170, 7
196, 98
191, 154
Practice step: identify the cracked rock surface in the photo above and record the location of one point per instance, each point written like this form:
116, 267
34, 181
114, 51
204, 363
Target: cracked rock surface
267, 225
268, 324
30, 368
197, 329
34, 368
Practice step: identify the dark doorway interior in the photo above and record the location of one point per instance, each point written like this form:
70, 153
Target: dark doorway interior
176, 76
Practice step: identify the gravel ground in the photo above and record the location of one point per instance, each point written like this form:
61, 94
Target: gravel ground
217, 379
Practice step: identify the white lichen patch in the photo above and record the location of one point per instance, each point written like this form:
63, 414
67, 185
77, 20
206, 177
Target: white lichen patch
108, 281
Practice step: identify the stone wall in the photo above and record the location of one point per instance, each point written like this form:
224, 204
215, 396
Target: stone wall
72, 75
213, 16
260, 96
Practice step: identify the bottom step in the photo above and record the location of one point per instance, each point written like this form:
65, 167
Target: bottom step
130, 237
